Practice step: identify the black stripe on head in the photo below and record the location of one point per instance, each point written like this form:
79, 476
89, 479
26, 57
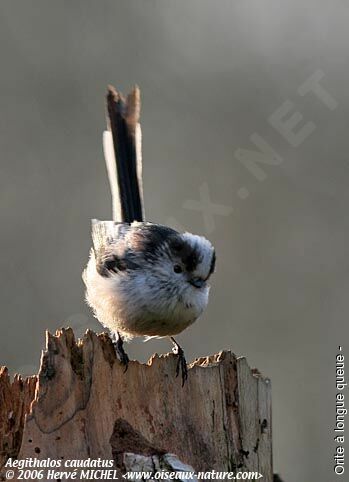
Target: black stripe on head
188, 254
213, 262
148, 238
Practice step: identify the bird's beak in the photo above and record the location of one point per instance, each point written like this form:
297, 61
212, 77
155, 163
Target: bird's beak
197, 282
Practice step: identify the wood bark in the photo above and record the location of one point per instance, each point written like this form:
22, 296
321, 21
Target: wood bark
82, 405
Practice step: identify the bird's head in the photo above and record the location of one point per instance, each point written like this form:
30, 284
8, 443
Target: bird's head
192, 259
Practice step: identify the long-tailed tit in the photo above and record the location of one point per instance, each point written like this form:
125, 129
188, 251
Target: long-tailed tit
142, 279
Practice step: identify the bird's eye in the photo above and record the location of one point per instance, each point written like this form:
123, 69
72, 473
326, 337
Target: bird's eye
177, 268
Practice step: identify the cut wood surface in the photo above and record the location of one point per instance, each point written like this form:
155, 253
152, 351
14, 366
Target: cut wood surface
82, 405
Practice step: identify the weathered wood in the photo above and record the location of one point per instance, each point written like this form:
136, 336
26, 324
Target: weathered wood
15, 400
85, 406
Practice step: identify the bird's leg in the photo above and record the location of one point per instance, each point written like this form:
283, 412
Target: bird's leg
118, 343
181, 363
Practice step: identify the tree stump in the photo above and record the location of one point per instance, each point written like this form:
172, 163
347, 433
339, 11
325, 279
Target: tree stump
82, 405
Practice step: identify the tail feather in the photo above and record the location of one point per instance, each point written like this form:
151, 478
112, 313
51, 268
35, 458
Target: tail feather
122, 151
109, 156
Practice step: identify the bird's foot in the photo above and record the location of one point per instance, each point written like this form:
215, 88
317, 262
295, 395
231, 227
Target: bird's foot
181, 362
120, 352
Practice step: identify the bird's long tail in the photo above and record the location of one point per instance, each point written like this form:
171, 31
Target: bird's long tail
122, 144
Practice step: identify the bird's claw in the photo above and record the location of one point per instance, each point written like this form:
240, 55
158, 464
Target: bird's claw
121, 354
181, 363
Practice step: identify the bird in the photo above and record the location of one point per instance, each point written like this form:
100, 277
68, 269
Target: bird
142, 279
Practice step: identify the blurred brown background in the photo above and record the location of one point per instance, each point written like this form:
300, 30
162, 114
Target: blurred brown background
211, 74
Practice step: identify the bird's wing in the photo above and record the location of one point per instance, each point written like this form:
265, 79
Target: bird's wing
107, 233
